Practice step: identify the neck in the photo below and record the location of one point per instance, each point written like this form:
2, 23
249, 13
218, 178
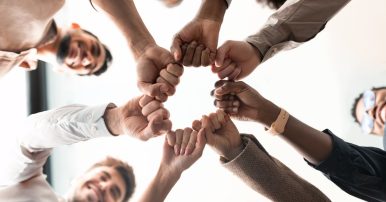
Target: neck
47, 51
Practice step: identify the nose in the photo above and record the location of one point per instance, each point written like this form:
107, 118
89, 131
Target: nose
372, 112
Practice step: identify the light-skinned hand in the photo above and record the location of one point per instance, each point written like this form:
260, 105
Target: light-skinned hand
236, 60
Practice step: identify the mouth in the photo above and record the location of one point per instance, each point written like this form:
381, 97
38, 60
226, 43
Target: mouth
97, 192
381, 112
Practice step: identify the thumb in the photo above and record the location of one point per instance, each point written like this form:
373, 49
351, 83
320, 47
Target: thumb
153, 90
231, 88
222, 53
175, 49
201, 140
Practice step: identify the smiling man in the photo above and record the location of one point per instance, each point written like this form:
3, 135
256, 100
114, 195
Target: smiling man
369, 111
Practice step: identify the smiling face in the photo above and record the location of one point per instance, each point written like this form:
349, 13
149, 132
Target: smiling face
370, 111
101, 183
80, 52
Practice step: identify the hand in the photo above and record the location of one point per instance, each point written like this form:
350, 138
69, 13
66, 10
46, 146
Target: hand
142, 117
243, 102
236, 60
181, 149
221, 134
157, 62
195, 45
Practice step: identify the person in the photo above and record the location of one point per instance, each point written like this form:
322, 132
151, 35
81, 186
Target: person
370, 113
293, 24
28, 37
22, 179
173, 163
245, 157
357, 170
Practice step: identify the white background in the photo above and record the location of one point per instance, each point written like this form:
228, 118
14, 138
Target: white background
316, 83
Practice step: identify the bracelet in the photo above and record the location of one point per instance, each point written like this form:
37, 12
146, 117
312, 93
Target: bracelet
278, 126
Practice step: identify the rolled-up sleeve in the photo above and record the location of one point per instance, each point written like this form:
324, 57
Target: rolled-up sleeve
360, 171
297, 21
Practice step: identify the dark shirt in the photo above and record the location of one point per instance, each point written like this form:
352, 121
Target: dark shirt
359, 171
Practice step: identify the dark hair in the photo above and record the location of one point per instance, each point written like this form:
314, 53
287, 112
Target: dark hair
125, 171
355, 104
108, 58
275, 4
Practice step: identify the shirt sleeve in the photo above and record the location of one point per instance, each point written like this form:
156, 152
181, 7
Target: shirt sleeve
268, 176
295, 22
360, 171
46, 130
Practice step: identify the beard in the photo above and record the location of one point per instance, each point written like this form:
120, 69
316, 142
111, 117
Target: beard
63, 49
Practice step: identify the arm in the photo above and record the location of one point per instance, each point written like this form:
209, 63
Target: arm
196, 44
357, 170
247, 159
174, 162
297, 21
151, 59
142, 117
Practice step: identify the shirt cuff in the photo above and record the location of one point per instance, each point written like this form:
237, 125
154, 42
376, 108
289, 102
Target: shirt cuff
99, 127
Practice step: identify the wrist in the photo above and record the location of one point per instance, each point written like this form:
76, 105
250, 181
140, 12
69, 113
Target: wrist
139, 47
233, 152
212, 10
167, 175
112, 120
268, 114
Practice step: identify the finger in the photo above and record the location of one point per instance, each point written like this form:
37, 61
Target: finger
225, 64
201, 141
169, 77
205, 61
235, 73
177, 146
171, 90
183, 47
197, 56
221, 117
153, 90
151, 107
175, 69
231, 88
207, 130
185, 140
214, 120
176, 48
226, 103
220, 83
191, 143
222, 53
227, 71
196, 125
188, 57
156, 127
230, 110
145, 99
160, 113
162, 97
171, 138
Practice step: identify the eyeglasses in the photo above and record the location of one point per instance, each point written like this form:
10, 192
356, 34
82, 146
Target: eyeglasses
367, 123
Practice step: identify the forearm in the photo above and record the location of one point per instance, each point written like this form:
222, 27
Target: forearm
270, 177
160, 186
314, 145
128, 20
212, 10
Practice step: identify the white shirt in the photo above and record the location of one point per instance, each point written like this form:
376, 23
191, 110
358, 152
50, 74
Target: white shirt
23, 178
